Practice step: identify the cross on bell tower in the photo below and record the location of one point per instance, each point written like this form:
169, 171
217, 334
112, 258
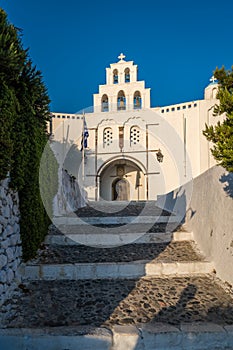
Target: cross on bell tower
213, 79
121, 57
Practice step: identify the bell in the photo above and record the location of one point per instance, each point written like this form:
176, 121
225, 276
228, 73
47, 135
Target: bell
122, 104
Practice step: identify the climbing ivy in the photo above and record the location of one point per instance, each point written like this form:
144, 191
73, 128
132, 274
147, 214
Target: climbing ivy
24, 112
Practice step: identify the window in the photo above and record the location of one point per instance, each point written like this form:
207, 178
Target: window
127, 75
214, 93
173, 109
104, 103
137, 100
195, 105
115, 76
184, 107
134, 135
167, 110
189, 106
178, 108
107, 137
162, 111
121, 101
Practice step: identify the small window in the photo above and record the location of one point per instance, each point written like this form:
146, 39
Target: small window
68, 117
58, 116
134, 135
167, 110
178, 108
107, 137
162, 111
184, 107
195, 105
173, 109
189, 106
63, 117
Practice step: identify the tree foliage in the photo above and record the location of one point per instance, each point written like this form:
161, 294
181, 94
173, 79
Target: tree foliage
24, 112
222, 134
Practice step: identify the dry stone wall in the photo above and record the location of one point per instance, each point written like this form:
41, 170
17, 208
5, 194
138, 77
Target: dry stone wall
10, 242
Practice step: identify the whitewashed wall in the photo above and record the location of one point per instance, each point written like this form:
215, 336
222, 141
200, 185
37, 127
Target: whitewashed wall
210, 217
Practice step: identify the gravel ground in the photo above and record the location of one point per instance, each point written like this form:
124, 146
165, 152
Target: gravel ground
155, 252
99, 209
171, 300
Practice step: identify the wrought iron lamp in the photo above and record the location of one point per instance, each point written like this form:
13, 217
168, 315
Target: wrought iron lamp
160, 156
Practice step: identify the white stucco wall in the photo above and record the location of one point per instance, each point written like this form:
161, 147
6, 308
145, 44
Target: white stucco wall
210, 217
206, 206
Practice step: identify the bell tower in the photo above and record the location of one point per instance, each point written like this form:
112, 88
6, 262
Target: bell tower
122, 90
211, 90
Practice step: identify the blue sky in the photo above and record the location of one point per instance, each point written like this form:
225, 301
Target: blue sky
176, 44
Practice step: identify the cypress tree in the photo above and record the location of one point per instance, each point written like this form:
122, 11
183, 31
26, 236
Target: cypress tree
24, 112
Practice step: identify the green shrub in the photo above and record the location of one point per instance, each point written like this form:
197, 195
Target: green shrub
24, 111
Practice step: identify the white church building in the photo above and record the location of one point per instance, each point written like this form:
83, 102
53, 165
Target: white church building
135, 151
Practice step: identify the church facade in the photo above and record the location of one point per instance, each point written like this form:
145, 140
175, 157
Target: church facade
135, 151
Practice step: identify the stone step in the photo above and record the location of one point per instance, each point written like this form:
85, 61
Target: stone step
78, 271
113, 220
109, 238
121, 208
108, 235
127, 261
109, 303
208, 336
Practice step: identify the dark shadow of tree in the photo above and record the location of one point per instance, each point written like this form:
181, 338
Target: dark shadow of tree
227, 180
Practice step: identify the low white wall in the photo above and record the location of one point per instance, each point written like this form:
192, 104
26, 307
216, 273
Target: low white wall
205, 207
210, 217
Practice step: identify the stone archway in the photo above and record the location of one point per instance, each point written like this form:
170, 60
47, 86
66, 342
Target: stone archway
121, 180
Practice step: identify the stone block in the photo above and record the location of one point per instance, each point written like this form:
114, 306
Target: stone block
126, 337
5, 244
1, 289
6, 211
10, 276
3, 260
14, 239
9, 230
10, 254
3, 276
18, 252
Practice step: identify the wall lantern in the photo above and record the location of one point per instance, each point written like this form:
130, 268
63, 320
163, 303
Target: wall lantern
160, 156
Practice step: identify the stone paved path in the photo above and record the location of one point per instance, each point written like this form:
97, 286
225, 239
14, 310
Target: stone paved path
109, 302
154, 252
116, 228
99, 209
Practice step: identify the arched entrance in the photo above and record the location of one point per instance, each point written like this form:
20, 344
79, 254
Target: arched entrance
121, 180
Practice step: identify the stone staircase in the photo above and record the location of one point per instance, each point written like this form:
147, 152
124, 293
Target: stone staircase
119, 276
